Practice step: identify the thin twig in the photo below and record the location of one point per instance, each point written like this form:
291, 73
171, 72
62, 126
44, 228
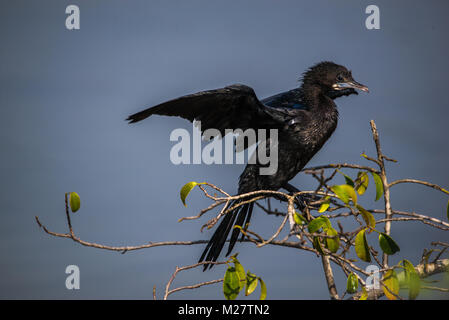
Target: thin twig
341, 165
177, 270
383, 177
424, 183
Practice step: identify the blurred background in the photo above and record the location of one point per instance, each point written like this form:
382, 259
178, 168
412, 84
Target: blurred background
64, 96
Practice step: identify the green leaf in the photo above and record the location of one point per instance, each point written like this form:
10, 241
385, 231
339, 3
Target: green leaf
324, 205
345, 193
231, 284
332, 243
414, 285
348, 179
361, 246
362, 176
240, 272
251, 283
352, 284
185, 190
387, 244
263, 289
379, 185
318, 223
364, 295
75, 201
390, 280
299, 219
412, 279
368, 217
317, 245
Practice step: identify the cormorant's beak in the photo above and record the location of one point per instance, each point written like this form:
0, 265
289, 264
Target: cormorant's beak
350, 84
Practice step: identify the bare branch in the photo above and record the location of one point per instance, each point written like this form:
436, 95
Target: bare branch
341, 165
424, 183
329, 277
177, 270
383, 177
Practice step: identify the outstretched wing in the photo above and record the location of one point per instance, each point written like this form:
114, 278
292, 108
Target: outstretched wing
231, 107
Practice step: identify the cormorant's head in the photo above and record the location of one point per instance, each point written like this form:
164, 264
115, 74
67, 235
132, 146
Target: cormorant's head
331, 79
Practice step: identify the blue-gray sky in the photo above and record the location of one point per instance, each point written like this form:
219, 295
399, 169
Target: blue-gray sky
64, 96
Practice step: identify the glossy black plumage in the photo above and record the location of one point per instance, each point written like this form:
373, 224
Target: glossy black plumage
305, 118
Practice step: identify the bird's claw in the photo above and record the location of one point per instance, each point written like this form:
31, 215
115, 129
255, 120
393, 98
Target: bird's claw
307, 201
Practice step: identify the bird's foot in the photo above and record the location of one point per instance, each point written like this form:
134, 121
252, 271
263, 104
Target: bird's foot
304, 202
308, 201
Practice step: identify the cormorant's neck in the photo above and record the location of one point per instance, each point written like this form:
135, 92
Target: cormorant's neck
315, 97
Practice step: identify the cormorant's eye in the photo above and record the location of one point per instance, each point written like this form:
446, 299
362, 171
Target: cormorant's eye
339, 78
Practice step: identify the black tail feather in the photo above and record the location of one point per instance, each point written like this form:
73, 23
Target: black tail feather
212, 244
216, 243
236, 231
242, 221
248, 218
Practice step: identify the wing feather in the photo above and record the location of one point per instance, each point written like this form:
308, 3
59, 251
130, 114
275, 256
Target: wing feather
232, 107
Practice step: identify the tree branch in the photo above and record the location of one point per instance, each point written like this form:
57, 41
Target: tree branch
383, 176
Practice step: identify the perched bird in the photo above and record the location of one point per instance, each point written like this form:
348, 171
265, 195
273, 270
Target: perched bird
305, 119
